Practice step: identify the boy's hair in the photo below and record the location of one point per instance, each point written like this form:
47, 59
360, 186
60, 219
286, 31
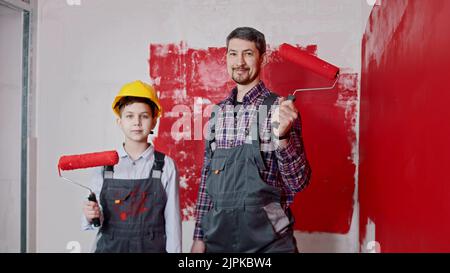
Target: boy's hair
130, 100
251, 35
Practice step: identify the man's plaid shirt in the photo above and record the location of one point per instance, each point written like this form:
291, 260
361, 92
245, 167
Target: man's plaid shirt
286, 168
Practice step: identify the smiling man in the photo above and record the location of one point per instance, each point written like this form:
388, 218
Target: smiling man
254, 162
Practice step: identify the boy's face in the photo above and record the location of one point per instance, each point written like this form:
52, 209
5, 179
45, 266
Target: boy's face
136, 121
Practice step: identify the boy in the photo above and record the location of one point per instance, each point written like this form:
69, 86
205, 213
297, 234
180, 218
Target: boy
138, 198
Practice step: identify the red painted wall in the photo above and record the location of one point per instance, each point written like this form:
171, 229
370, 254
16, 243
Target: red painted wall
404, 183
196, 78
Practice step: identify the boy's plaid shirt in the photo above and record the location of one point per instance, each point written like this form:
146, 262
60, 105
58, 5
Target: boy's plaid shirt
286, 168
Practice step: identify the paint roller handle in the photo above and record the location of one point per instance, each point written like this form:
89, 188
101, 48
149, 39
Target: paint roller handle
95, 221
292, 98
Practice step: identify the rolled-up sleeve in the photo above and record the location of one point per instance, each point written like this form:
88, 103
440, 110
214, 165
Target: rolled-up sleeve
203, 200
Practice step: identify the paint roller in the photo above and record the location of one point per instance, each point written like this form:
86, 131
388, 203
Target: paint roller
83, 161
310, 62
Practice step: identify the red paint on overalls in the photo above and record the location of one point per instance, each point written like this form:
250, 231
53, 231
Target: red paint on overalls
137, 203
133, 206
186, 76
123, 216
140, 207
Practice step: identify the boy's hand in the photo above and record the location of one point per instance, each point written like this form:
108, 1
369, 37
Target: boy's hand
91, 210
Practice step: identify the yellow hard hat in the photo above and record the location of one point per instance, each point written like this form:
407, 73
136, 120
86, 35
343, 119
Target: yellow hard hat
137, 89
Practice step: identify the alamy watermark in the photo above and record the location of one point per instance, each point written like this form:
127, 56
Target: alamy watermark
190, 125
73, 247
373, 247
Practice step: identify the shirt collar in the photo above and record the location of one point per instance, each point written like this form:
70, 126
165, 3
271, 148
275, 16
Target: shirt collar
146, 154
250, 97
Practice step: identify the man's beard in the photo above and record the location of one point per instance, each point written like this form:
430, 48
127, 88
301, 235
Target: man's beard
243, 80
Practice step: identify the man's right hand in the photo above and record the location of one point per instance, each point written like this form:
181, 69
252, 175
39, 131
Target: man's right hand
198, 247
91, 210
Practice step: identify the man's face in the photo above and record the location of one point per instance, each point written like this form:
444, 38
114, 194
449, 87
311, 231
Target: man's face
243, 61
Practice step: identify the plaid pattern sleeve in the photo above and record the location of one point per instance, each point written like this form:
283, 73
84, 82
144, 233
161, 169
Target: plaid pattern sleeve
203, 200
292, 163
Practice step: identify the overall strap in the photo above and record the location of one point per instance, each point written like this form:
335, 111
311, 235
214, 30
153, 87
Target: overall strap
108, 172
268, 102
263, 113
211, 136
158, 165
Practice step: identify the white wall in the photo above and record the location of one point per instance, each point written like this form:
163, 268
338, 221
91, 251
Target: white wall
87, 51
10, 127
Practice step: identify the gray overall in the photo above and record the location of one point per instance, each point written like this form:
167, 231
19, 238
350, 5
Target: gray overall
246, 214
133, 211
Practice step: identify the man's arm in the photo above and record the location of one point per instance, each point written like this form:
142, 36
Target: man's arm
198, 247
292, 162
203, 200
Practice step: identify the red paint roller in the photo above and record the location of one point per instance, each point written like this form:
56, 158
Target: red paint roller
83, 161
310, 62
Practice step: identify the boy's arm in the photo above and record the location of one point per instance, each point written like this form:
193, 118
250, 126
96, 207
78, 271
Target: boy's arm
96, 187
172, 211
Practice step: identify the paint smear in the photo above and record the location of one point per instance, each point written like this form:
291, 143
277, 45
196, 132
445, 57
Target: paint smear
404, 147
123, 216
133, 207
197, 78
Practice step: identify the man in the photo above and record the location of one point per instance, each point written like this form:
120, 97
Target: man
249, 179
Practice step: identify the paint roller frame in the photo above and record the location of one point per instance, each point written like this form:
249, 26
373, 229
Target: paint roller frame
64, 163
292, 96
91, 197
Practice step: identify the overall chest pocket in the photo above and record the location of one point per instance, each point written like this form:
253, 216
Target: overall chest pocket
216, 175
217, 165
117, 196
